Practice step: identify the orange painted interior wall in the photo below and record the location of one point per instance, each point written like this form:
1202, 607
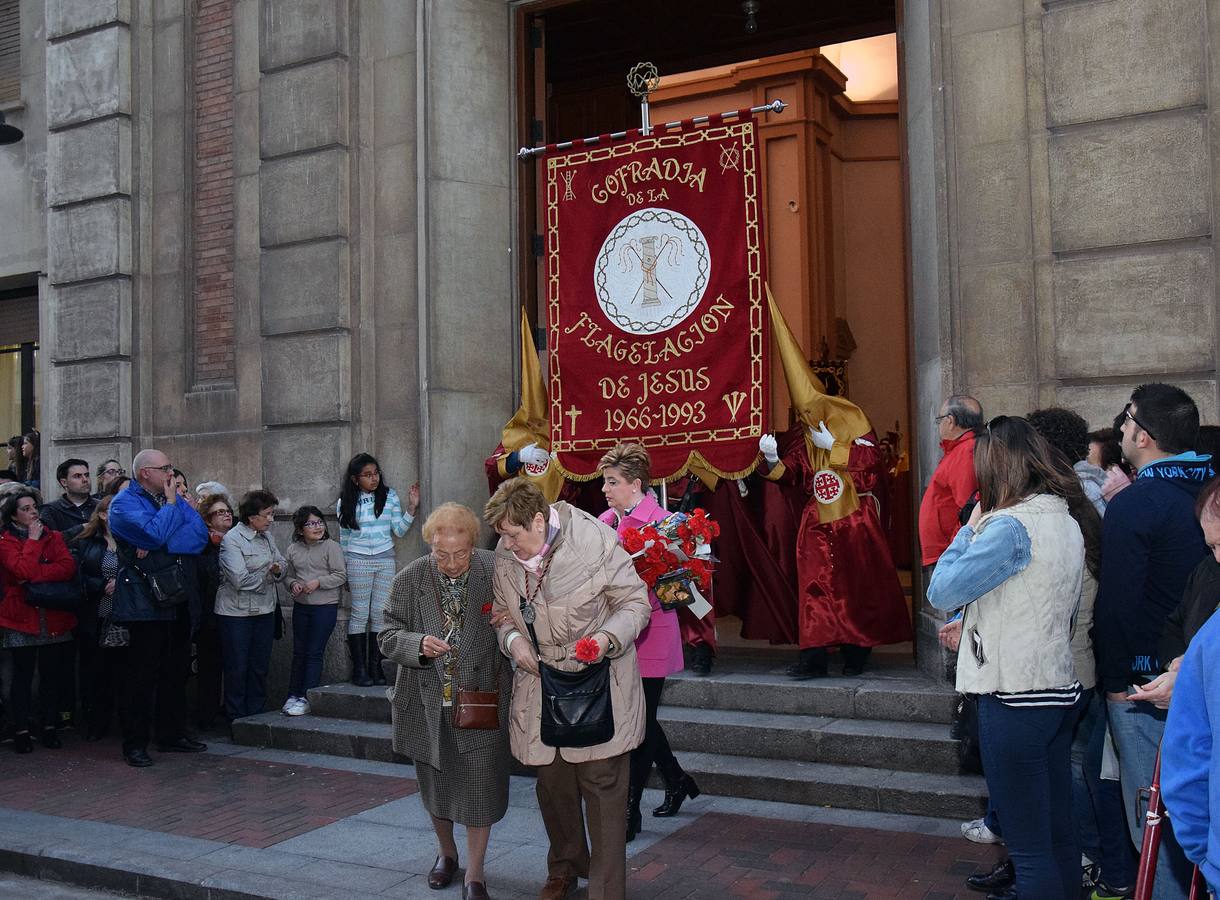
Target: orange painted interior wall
832, 191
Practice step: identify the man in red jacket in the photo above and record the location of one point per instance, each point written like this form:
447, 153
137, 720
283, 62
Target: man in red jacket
953, 482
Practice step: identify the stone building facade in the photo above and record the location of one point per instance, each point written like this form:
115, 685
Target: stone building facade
269, 233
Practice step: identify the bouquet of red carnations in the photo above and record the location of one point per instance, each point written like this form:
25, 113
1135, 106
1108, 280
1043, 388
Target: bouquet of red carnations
674, 556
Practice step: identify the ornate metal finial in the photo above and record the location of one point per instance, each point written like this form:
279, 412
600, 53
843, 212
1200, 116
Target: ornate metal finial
643, 79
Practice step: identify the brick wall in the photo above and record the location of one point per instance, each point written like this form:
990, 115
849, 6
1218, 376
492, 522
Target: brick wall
212, 181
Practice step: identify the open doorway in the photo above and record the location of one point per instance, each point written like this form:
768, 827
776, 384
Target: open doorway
832, 164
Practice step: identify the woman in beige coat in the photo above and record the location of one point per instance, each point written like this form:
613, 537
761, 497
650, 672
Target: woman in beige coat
437, 629
571, 572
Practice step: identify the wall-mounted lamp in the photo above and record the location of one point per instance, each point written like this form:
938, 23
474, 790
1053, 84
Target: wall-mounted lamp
9, 134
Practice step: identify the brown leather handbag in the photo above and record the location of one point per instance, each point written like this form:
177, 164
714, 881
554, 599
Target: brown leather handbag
477, 709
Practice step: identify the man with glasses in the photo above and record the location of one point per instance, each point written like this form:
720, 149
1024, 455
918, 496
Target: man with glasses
1151, 542
953, 482
159, 533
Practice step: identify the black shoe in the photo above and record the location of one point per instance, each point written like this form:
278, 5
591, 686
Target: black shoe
1003, 876
855, 658
675, 796
812, 664
701, 660
1004, 894
137, 757
635, 822
376, 669
50, 739
356, 647
181, 745
23, 743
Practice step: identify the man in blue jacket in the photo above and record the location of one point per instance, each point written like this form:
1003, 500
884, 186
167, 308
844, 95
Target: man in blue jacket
158, 533
1190, 780
1151, 542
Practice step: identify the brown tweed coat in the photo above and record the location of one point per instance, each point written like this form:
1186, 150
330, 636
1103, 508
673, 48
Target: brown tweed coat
413, 610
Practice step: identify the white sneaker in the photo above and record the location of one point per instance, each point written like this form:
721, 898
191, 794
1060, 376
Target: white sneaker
288, 705
976, 831
300, 708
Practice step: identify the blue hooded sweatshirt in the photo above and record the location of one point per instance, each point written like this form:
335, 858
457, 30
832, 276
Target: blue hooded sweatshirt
1151, 542
1190, 769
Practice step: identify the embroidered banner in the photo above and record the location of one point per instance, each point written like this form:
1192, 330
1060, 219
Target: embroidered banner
656, 312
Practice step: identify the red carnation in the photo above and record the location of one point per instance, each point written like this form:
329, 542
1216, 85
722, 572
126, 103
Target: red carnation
486, 608
587, 650
633, 541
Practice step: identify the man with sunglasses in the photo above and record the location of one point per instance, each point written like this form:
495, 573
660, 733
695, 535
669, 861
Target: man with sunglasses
1151, 542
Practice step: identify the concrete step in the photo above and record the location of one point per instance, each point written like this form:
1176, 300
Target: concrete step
809, 783
901, 746
900, 696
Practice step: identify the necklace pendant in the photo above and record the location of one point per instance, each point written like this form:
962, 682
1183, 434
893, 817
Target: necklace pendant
528, 614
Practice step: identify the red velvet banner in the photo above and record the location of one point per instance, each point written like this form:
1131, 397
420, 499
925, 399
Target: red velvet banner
656, 312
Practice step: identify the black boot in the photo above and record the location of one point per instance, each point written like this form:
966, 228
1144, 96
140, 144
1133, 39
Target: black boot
376, 669
360, 669
635, 823
676, 793
701, 660
812, 664
854, 658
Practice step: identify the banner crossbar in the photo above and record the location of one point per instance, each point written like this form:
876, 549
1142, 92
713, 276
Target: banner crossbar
527, 153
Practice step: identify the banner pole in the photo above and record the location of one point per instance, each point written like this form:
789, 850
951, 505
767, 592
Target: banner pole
527, 153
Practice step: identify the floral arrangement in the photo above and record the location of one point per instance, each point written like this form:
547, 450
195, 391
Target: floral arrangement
587, 650
676, 547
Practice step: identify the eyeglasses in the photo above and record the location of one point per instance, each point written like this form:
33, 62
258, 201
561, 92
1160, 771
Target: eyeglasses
112, 471
167, 468
936, 419
1127, 414
221, 512
314, 523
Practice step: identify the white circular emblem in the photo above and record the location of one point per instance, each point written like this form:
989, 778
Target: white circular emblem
536, 470
827, 486
651, 271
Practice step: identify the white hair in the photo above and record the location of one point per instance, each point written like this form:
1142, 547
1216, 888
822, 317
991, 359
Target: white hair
204, 488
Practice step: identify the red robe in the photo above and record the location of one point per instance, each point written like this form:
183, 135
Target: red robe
848, 589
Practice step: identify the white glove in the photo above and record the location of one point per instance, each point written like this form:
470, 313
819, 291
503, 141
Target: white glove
769, 449
532, 454
821, 436
864, 442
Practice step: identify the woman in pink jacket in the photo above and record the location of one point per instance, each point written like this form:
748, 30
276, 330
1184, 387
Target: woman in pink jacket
659, 646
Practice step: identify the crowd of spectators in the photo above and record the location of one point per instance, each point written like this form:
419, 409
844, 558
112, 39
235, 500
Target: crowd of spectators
1083, 578
119, 590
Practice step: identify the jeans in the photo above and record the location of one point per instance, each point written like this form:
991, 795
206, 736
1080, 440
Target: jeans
311, 628
1097, 804
1028, 766
1136, 728
246, 649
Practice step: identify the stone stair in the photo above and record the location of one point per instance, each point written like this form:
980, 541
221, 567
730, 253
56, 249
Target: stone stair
878, 743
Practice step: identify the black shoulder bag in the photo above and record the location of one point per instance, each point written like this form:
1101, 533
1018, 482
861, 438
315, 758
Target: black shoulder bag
161, 571
576, 706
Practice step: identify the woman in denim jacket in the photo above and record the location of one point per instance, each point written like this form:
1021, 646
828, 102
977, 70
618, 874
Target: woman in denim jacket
1016, 570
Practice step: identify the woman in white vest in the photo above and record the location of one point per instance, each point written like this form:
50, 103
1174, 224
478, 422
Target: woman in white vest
1016, 569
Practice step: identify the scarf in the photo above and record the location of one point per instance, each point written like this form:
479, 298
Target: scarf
534, 563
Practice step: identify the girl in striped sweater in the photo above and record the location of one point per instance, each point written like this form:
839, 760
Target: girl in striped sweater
370, 513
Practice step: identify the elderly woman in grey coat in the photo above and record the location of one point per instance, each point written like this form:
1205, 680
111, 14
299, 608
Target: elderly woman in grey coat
437, 629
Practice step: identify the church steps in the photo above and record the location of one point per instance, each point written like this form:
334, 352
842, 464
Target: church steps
783, 780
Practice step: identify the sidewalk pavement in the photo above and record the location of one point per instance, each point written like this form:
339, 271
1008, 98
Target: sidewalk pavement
238, 822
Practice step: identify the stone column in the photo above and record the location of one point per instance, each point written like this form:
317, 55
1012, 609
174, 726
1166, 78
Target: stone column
467, 313
86, 321
305, 288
